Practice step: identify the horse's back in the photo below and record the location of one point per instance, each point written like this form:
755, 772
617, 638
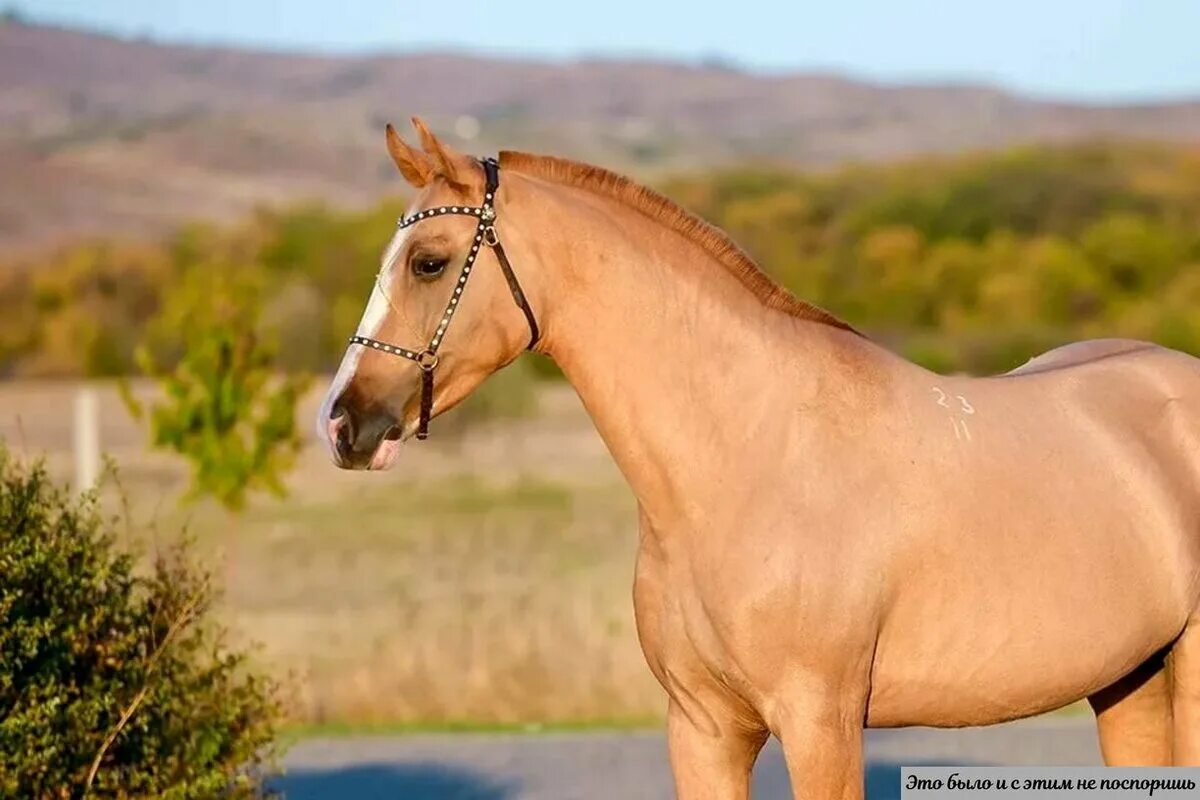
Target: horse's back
1146, 389
1076, 353
1136, 400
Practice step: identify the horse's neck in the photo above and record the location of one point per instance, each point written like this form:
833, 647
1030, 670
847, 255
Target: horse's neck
692, 383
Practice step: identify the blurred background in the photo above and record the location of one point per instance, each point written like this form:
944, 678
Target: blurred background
968, 183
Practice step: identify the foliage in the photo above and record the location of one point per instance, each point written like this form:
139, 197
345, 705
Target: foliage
965, 263
112, 678
977, 262
225, 406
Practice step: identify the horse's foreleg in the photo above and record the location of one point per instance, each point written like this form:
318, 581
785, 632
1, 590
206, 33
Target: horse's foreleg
711, 758
1185, 694
1133, 717
823, 746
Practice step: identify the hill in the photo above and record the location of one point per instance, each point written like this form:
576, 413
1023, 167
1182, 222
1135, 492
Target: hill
100, 135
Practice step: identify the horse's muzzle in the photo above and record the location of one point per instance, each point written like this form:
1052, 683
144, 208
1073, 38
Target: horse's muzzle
362, 439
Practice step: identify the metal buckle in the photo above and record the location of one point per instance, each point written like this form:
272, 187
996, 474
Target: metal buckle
490, 237
427, 360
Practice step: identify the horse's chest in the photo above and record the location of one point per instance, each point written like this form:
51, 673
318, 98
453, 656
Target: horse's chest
665, 609
683, 634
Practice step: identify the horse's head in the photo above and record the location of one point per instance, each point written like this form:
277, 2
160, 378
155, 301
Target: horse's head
407, 362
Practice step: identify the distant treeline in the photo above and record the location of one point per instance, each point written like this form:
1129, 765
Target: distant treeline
968, 263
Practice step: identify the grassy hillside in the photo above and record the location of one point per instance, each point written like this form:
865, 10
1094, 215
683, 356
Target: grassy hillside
100, 135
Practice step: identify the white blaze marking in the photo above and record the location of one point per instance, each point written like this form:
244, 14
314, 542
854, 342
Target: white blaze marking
372, 320
377, 304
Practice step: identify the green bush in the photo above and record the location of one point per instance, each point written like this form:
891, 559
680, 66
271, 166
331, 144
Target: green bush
115, 683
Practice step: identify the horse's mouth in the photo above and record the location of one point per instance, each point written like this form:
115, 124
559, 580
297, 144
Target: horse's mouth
387, 451
385, 454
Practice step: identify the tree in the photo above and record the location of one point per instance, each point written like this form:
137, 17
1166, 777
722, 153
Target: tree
224, 405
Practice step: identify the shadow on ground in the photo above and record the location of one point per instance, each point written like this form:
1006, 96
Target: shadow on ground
426, 781
437, 781
882, 778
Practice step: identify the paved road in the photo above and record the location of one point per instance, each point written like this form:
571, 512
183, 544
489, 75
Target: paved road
631, 766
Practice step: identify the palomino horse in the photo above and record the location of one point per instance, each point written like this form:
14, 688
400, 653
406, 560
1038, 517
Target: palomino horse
831, 537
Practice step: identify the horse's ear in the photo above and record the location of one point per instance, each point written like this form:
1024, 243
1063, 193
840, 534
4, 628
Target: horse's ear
414, 165
448, 162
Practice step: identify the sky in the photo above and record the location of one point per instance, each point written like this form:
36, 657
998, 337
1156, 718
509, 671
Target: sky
1096, 50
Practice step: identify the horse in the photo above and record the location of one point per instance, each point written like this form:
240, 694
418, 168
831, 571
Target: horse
831, 537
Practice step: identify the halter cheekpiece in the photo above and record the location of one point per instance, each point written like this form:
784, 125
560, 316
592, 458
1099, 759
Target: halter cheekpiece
485, 234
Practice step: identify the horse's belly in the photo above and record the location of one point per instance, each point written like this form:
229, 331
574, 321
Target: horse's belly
981, 680
989, 644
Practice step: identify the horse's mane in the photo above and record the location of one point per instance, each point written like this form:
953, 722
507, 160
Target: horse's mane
658, 207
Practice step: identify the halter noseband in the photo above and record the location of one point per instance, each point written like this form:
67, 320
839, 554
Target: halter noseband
485, 234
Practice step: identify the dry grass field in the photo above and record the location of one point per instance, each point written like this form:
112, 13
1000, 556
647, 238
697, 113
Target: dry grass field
486, 579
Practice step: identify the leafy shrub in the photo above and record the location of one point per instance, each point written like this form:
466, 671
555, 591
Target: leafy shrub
226, 407
114, 683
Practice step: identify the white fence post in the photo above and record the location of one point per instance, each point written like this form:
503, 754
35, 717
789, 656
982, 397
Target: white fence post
87, 439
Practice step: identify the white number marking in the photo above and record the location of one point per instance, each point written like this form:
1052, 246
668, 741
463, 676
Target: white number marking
961, 431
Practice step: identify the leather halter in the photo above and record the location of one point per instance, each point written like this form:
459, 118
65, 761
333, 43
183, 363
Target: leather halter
485, 234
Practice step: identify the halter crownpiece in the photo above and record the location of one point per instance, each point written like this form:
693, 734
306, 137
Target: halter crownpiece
485, 234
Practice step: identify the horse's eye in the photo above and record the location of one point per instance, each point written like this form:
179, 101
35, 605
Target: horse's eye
428, 266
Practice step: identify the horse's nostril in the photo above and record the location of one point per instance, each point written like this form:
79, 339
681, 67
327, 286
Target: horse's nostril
393, 433
341, 428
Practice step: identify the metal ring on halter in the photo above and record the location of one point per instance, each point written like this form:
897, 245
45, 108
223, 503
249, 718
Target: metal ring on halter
427, 360
490, 237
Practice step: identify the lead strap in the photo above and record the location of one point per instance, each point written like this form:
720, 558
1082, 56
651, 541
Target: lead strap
426, 403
